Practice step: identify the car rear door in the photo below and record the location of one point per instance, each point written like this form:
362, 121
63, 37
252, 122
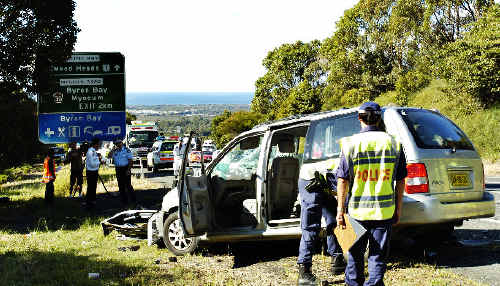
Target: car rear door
195, 206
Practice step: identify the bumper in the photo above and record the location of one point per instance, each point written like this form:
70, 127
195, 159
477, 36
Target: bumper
422, 209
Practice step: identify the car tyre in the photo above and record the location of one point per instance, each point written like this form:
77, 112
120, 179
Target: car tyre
173, 236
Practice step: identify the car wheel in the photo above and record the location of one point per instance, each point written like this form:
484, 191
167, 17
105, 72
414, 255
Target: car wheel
173, 236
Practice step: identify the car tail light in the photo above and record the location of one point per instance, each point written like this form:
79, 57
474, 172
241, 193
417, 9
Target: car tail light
416, 181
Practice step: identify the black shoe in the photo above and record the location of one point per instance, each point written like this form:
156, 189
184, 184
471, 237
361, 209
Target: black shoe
306, 277
338, 264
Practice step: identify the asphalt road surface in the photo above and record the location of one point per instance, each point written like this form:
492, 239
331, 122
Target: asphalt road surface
477, 254
474, 252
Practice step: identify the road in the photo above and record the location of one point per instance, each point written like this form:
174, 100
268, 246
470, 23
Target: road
477, 255
474, 254
164, 177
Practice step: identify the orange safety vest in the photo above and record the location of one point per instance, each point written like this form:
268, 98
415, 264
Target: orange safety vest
48, 171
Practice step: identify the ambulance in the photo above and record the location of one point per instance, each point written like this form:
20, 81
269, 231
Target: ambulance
139, 139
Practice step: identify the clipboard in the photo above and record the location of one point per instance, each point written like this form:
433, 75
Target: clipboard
350, 235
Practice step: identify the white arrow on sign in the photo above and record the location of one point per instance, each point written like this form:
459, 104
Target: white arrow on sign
117, 67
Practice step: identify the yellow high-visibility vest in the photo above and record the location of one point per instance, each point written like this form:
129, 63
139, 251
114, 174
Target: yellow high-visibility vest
372, 157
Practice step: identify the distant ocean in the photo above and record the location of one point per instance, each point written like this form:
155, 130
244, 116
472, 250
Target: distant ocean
158, 98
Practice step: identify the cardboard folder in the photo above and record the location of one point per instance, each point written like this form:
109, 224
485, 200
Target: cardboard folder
350, 235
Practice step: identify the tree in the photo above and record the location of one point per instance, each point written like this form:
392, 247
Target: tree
382, 45
287, 67
130, 117
472, 64
228, 125
33, 34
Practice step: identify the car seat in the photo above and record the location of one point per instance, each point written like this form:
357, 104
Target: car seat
284, 180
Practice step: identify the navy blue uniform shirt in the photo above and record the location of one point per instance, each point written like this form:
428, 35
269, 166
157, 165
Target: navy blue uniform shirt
343, 169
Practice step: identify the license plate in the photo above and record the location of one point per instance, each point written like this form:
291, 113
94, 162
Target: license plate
460, 180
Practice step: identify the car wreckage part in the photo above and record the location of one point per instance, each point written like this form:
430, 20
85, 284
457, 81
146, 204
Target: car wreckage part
174, 239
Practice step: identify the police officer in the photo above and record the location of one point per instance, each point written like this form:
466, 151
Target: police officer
370, 163
317, 200
92, 163
122, 158
74, 157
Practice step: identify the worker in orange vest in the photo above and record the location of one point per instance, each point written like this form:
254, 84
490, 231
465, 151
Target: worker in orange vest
49, 176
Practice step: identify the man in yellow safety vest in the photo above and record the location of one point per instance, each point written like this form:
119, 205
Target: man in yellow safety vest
370, 163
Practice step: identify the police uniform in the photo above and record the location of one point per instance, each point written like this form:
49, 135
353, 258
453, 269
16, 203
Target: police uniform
92, 163
121, 159
371, 161
314, 205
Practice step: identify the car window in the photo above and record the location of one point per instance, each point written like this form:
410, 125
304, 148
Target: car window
431, 130
323, 136
167, 146
238, 164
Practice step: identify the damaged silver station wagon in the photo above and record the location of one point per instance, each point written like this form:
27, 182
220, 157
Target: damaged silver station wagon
249, 192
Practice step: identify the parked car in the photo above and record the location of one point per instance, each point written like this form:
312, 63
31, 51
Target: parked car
249, 191
161, 155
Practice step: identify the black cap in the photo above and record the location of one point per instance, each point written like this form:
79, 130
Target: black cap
370, 106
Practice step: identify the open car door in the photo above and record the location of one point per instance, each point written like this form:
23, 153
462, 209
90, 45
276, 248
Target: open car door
195, 208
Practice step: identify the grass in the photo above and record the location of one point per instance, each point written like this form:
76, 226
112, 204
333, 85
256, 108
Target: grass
61, 244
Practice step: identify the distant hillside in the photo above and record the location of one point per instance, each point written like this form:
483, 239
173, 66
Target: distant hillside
158, 98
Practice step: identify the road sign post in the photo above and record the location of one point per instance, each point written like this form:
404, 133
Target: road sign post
83, 98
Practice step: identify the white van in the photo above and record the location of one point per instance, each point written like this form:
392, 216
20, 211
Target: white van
249, 191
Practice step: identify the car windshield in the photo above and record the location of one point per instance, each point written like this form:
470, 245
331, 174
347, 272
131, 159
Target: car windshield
324, 135
167, 146
432, 130
142, 138
207, 152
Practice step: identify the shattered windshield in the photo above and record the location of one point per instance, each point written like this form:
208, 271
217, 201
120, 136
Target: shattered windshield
238, 164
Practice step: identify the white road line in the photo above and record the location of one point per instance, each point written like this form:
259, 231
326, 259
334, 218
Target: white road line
490, 220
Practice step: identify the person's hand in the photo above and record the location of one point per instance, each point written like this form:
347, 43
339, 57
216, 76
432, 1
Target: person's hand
396, 218
340, 220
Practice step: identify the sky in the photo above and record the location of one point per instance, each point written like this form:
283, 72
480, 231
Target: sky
200, 45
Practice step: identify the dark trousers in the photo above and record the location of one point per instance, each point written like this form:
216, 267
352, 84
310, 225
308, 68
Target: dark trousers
49, 192
91, 186
76, 176
312, 207
378, 234
125, 185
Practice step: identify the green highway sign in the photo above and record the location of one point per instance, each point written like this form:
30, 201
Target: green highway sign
83, 98
87, 82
